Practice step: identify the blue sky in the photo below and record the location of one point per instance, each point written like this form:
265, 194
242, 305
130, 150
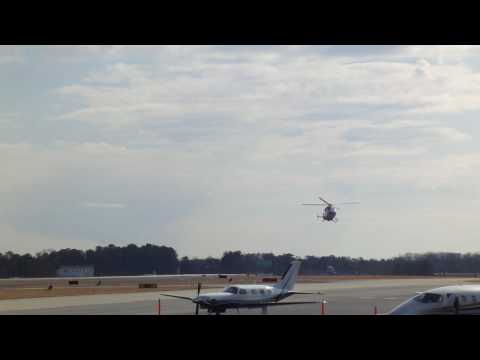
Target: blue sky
213, 148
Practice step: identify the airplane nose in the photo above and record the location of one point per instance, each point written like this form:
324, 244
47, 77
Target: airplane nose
407, 309
202, 299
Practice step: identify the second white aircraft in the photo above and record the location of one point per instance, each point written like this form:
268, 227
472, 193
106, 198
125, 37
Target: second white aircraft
459, 299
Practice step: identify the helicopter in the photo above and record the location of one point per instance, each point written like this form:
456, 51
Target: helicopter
330, 213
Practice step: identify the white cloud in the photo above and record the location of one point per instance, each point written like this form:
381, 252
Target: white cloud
118, 73
217, 145
450, 134
265, 88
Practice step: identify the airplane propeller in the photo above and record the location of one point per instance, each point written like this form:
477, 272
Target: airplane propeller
199, 287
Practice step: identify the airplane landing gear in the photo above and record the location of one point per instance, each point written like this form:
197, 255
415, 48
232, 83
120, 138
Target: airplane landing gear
217, 311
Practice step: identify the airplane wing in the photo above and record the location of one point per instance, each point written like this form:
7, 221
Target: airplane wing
292, 303
177, 297
260, 305
304, 293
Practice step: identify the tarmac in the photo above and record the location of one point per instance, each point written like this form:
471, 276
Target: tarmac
356, 297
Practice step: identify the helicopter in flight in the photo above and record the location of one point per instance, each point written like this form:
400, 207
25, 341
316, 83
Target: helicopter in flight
329, 213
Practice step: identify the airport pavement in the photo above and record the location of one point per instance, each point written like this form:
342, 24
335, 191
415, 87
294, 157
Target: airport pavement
357, 297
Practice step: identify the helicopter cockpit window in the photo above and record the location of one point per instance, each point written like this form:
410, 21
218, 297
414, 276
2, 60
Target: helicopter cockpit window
232, 290
429, 298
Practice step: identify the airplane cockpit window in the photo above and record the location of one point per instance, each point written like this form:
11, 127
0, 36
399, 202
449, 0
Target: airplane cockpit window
232, 290
429, 298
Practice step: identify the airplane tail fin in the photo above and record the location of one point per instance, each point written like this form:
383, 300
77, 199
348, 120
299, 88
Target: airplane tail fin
289, 278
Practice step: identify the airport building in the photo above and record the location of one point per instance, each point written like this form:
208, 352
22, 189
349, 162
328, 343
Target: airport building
76, 271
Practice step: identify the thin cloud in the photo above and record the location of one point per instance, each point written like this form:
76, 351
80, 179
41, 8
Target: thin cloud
103, 205
11, 55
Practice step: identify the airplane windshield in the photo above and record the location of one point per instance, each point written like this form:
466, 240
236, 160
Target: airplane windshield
231, 290
428, 298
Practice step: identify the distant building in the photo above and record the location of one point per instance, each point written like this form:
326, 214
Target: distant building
76, 271
331, 270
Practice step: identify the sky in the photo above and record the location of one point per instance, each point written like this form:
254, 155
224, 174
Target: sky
213, 148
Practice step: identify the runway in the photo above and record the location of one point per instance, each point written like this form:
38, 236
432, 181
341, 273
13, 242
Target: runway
357, 297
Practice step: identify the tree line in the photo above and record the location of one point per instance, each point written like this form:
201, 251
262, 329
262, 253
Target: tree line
153, 259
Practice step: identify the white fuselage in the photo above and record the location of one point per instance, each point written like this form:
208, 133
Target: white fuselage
464, 299
242, 294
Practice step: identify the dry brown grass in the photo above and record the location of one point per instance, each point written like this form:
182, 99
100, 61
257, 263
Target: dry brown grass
38, 288
22, 293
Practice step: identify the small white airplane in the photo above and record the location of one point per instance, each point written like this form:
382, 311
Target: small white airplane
458, 300
250, 296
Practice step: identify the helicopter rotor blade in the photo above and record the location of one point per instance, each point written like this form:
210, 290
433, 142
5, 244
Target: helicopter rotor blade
348, 203
325, 201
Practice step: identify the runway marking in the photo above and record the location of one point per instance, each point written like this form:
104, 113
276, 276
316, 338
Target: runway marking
366, 298
390, 298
